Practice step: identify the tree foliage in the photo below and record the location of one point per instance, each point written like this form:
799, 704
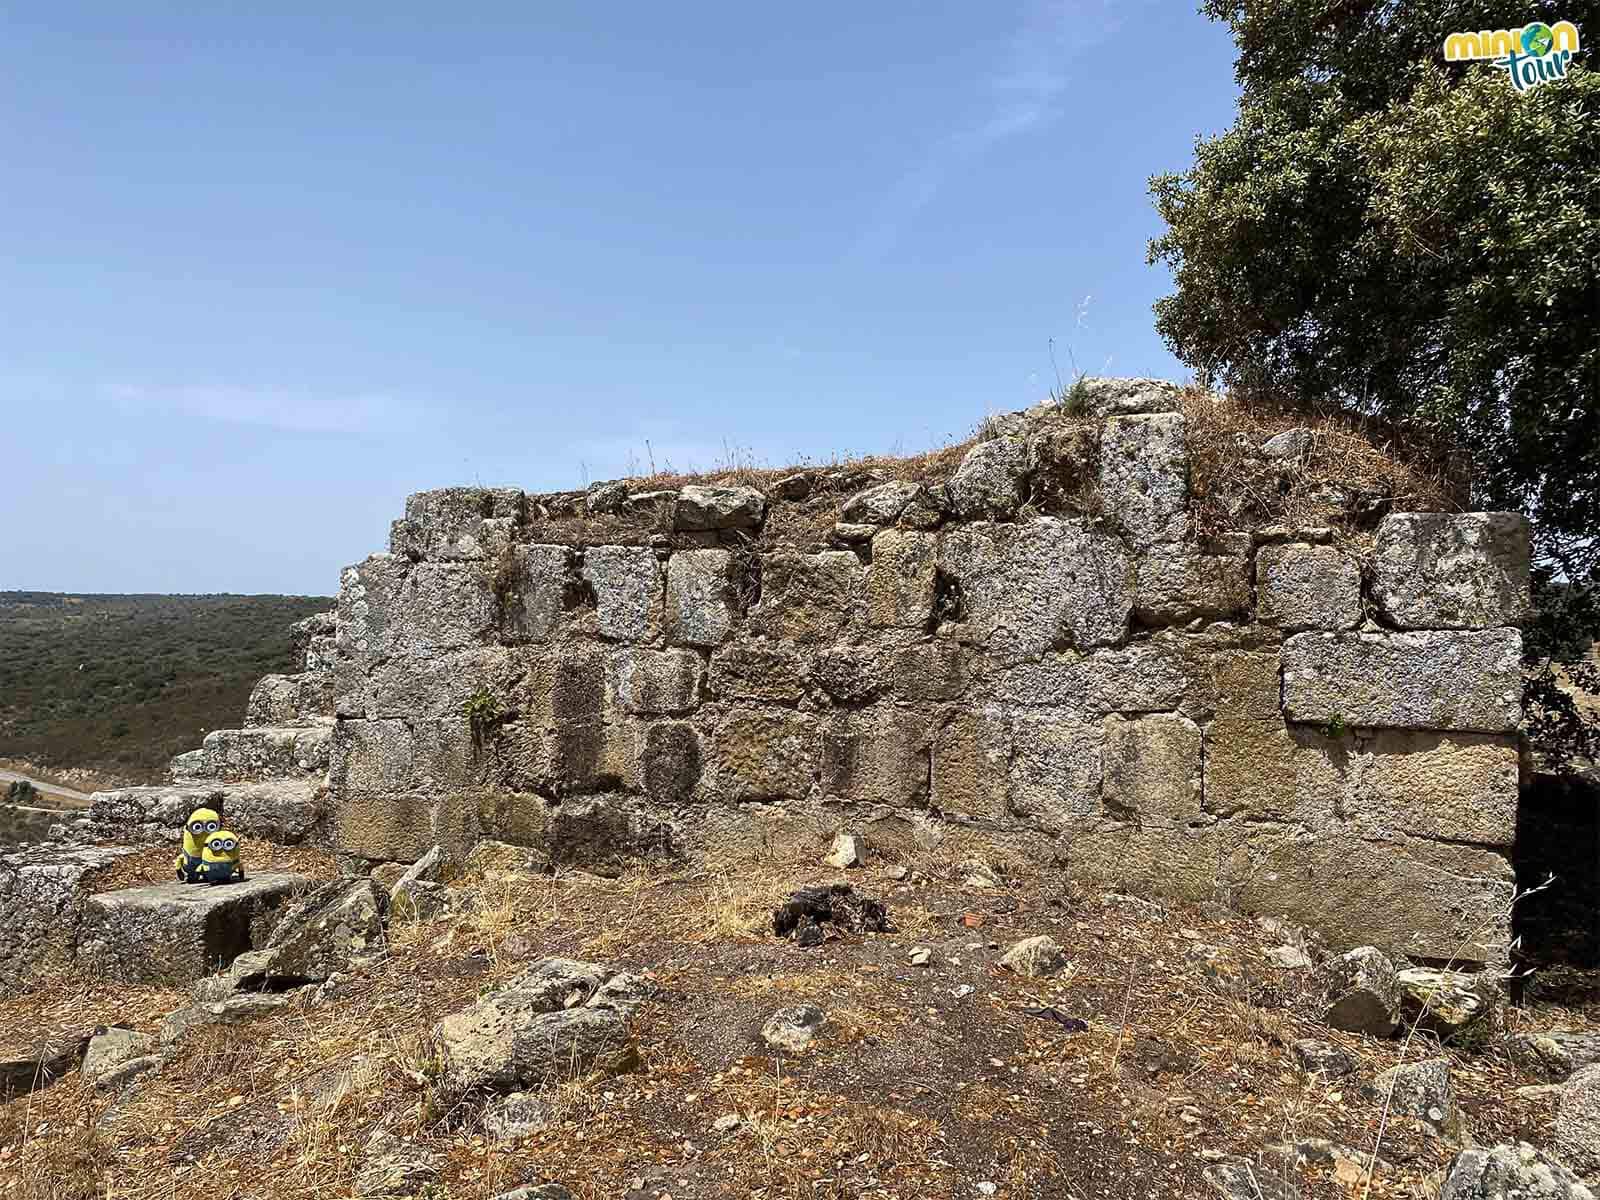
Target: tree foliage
1411, 239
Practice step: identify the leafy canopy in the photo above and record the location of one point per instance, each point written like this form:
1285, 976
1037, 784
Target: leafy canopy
1411, 239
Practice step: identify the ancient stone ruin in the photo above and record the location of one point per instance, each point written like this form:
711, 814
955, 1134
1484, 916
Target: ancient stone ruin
1038, 658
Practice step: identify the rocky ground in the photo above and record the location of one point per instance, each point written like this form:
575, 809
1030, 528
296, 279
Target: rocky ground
1144, 1051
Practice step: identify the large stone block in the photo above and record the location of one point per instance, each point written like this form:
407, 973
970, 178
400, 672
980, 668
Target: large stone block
389, 826
765, 754
1152, 767
532, 585
1452, 570
285, 811
699, 597
443, 606
656, 682
437, 686
971, 756
990, 482
627, 589
177, 933
671, 762
1436, 680
1182, 583
1459, 787
42, 892
1055, 772
259, 752
758, 669
1048, 584
879, 756
457, 523
900, 581
369, 596
566, 684
930, 671
391, 756
1255, 764
1145, 677
701, 508
279, 700
807, 598
1144, 476
1301, 587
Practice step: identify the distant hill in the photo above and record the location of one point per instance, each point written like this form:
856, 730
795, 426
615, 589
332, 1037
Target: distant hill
122, 683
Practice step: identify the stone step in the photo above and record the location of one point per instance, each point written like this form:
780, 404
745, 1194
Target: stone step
279, 700
177, 933
260, 752
287, 812
42, 893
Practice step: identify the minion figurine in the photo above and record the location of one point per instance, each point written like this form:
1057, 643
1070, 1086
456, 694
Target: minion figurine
219, 858
202, 823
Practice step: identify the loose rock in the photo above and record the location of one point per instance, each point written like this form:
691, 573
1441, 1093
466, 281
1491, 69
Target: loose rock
517, 1115
1578, 1123
1554, 1055
1510, 1173
849, 850
1036, 957
327, 930
1444, 1002
1422, 1090
110, 1048
1360, 993
793, 1028
1321, 1058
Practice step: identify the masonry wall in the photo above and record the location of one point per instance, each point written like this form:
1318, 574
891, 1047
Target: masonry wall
1034, 659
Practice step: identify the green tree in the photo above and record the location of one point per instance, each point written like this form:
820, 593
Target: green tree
1388, 233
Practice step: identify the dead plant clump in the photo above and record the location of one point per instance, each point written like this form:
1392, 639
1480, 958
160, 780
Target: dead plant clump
1352, 475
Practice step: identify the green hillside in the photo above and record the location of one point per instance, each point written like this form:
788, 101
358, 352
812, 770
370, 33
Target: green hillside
122, 683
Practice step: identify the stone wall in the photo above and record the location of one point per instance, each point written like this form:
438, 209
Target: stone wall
1032, 658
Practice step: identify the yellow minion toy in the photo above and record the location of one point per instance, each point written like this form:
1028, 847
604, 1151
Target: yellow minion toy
202, 823
219, 858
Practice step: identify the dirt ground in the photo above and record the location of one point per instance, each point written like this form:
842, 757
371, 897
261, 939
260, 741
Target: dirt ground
926, 1081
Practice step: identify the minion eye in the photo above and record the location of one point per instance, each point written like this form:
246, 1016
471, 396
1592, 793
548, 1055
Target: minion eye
215, 843
229, 844
212, 827
197, 826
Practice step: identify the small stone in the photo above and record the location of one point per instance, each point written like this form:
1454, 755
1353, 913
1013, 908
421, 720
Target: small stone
853, 533
1291, 443
1036, 957
1421, 1089
920, 956
1316, 1057
900, 873
793, 1028
1291, 958
849, 850
1555, 1054
1360, 993
962, 991
706, 508
110, 1048
1444, 1002
517, 1115
989, 481
726, 1123
879, 505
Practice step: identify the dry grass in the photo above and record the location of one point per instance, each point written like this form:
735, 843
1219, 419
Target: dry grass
1232, 489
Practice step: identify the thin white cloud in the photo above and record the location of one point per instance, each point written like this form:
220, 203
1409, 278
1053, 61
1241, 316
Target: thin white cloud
1023, 93
273, 408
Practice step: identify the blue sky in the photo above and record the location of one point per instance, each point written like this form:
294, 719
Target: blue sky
265, 271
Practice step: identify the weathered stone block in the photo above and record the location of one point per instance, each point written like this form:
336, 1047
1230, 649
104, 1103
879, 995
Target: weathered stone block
758, 670
389, 756
930, 671
1054, 776
390, 826
878, 756
285, 811
1145, 677
971, 754
1064, 466
1452, 570
671, 761
534, 583
765, 754
1144, 476
177, 933
880, 505
457, 523
369, 595
1307, 587
278, 700
1255, 764
900, 582
699, 597
627, 588
706, 508
42, 891
807, 598
990, 482
1181, 583
1152, 767
849, 674
1104, 397
443, 606
258, 752
656, 682
1026, 589
436, 686
1444, 680
565, 684
1461, 787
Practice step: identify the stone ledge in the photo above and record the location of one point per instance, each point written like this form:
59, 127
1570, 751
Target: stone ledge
178, 933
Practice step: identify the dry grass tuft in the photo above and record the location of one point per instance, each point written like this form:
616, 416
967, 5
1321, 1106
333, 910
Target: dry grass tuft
1233, 490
